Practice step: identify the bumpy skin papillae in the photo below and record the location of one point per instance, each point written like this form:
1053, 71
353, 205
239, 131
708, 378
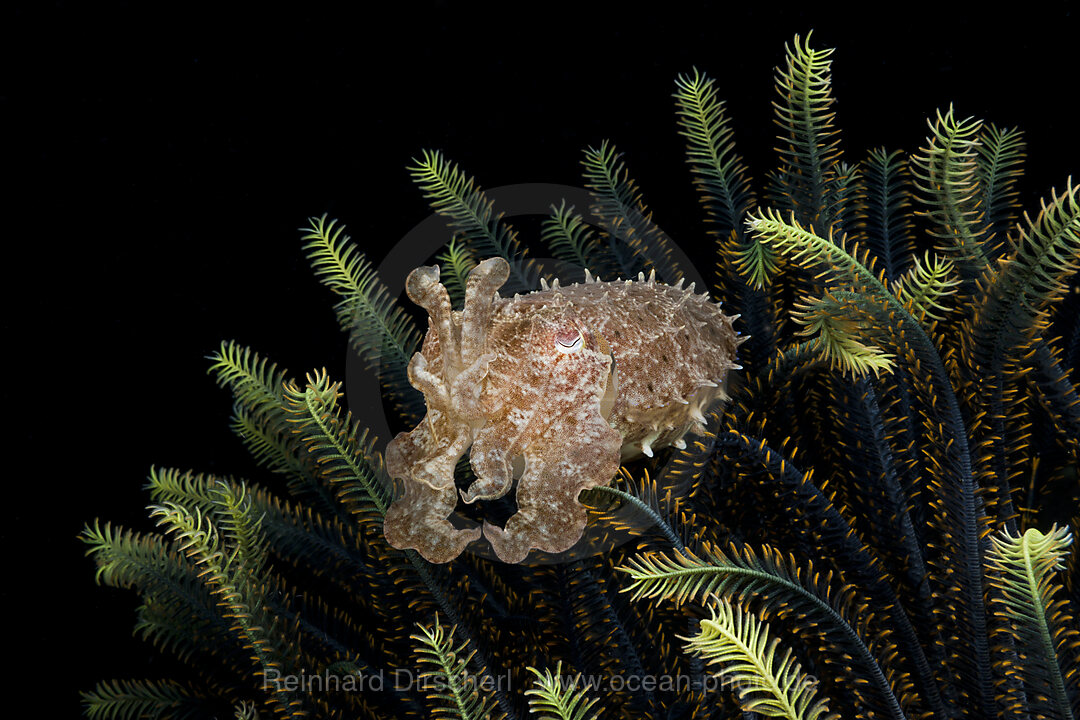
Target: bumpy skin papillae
673, 350
562, 384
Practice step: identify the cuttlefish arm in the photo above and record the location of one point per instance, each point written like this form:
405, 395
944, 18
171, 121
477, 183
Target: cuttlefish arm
419, 518
449, 372
572, 458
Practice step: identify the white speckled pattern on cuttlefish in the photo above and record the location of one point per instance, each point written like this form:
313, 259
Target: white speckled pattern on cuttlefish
556, 388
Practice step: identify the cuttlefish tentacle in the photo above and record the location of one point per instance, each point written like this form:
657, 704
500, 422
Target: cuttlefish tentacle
425, 458
492, 467
549, 516
430, 451
466, 383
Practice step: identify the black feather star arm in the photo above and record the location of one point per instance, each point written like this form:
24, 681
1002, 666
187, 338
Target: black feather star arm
133, 699
570, 239
619, 205
1007, 331
740, 644
852, 531
338, 445
778, 582
227, 547
719, 172
260, 420
454, 693
552, 698
958, 511
1059, 394
1018, 296
457, 260
889, 229
820, 525
724, 190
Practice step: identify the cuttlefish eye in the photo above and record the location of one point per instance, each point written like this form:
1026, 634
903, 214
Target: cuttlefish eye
568, 341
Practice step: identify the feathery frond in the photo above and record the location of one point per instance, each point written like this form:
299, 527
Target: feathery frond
809, 145
380, 331
946, 172
781, 583
138, 699
837, 332
471, 214
255, 382
922, 288
618, 203
377, 325
453, 690
719, 172
810, 249
757, 261
1022, 569
234, 579
846, 198
246, 711
553, 698
338, 445
1000, 164
647, 506
259, 418
889, 229
571, 240
959, 511
456, 262
740, 644
1017, 296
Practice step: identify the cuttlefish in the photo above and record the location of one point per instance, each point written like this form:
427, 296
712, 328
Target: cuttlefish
552, 390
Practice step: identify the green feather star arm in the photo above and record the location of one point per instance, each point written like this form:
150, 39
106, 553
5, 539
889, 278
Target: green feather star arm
1022, 569
719, 173
767, 683
553, 697
947, 175
450, 687
471, 215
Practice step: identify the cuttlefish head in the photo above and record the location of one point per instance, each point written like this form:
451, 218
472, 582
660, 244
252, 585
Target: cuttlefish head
525, 387
547, 394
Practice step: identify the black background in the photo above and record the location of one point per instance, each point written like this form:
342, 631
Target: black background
163, 159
